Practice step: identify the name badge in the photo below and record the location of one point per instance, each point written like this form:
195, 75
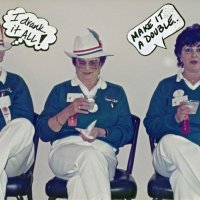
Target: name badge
72, 120
5, 101
178, 93
72, 96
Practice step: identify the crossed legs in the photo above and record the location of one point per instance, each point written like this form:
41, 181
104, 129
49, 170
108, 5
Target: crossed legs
87, 170
178, 158
17, 150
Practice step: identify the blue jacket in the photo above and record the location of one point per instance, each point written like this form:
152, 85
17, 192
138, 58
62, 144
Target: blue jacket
160, 117
13, 85
113, 113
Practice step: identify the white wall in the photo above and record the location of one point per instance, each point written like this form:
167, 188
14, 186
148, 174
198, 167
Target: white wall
138, 74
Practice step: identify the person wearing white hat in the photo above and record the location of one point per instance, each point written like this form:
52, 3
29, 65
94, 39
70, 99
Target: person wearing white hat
87, 120
16, 129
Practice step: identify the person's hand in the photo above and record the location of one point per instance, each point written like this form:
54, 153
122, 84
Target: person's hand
95, 132
182, 112
80, 105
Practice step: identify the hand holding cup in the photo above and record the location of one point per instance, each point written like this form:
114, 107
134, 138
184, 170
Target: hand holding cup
184, 110
91, 99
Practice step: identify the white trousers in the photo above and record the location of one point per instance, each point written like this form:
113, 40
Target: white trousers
88, 167
179, 159
16, 150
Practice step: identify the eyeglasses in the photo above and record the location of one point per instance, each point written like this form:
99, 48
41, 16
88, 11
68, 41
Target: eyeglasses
94, 64
190, 50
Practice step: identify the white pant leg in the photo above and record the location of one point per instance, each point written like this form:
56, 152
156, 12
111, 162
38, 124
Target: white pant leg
174, 157
181, 187
14, 138
3, 182
87, 168
94, 175
21, 162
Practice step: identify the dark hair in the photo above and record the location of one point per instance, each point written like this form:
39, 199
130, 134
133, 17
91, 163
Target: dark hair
102, 60
190, 37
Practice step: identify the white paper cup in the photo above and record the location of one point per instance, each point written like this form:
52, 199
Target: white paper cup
193, 105
91, 99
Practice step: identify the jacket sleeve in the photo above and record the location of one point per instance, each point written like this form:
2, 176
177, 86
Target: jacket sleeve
160, 117
122, 132
50, 109
55, 103
22, 105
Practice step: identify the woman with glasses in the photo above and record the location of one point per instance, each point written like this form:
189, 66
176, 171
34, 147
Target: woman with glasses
87, 120
173, 118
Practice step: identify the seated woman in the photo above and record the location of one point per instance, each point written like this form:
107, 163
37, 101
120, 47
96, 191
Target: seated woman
173, 118
16, 128
86, 119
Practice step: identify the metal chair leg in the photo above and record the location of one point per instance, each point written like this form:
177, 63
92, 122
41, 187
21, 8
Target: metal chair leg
30, 195
52, 198
20, 198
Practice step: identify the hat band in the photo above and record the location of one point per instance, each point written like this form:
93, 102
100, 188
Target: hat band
88, 51
91, 52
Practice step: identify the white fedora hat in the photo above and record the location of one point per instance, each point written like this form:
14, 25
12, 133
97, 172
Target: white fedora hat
3, 45
88, 46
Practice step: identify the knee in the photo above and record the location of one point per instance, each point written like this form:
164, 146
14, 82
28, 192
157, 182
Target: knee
23, 122
171, 140
93, 156
24, 126
166, 140
170, 143
90, 154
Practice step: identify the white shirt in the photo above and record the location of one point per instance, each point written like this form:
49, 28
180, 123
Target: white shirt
100, 84
3, 75
190, 85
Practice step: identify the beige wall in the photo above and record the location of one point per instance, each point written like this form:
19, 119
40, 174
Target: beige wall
138, 74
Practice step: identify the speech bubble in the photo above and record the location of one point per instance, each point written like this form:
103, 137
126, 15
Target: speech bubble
29, 29
152, 32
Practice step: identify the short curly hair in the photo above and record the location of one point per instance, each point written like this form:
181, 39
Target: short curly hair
190, 36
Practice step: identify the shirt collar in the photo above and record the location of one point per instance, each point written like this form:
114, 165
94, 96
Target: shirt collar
100, 84
181, 77
3, 75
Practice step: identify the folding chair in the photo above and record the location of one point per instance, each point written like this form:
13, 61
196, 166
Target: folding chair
158, 186
20, 186
122, 187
